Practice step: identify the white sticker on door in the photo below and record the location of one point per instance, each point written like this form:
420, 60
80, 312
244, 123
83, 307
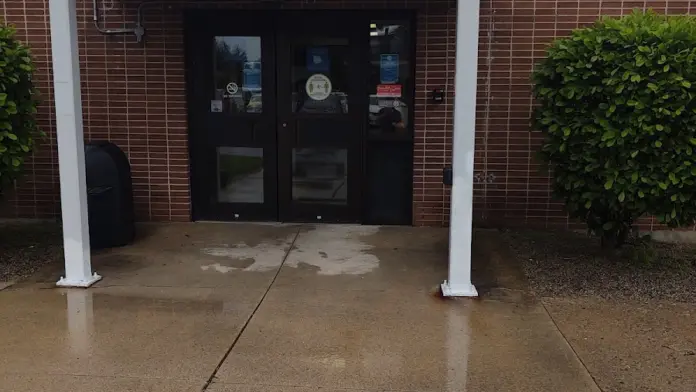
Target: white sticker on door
216, 106
318, 87
232, 88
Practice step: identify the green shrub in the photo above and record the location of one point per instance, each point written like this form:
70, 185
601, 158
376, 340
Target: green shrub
17, 106
617, 110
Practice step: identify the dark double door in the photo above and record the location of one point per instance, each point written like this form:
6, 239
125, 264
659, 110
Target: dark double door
276, 118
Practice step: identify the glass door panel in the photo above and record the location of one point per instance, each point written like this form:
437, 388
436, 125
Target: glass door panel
320, 175
232, 126
320, 126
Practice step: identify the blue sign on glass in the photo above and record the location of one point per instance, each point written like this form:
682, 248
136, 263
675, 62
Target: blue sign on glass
389, 68
252, 76
318, 59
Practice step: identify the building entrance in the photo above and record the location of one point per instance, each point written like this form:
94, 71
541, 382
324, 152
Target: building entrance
283, 115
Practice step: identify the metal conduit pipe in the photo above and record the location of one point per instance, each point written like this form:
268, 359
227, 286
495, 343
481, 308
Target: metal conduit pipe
138, 30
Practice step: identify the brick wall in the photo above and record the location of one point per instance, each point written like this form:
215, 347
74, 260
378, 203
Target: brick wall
135, 96
512, 188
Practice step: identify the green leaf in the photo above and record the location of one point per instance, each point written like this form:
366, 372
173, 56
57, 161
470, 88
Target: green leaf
11, 136
634, 177
662, 185
608, 184
16, 162
641, 194
588, 204
622, 196
658, 143
608, 135
659, 127
674, 213
686, 83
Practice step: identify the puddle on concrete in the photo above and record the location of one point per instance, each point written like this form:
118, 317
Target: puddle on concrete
262, 257
336, 250
333, 250
230, 265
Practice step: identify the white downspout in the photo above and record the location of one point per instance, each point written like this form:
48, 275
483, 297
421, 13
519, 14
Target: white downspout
71, 154
458, 283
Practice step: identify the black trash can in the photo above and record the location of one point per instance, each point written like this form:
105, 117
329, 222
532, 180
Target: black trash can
109, 196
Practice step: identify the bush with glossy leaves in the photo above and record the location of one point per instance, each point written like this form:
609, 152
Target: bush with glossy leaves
617, 108
18, 101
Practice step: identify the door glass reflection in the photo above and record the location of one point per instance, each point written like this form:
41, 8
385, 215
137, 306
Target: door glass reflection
240, 175
320, 76
319, 175
237, 75
390, 81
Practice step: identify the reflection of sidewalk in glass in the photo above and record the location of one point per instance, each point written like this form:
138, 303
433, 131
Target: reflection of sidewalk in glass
325, 190
319, 175
244, 189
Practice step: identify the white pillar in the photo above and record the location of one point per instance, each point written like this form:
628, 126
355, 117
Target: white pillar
459, 279
71, 155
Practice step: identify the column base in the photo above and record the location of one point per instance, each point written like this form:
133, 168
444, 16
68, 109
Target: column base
82, 283
461, 290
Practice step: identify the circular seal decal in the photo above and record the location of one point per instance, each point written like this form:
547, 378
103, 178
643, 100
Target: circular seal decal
232, 88
318, 87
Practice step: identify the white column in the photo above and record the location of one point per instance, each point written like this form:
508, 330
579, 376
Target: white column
459, 279
71, 155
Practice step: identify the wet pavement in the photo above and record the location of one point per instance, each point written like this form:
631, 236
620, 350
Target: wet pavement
629, 345
275, 308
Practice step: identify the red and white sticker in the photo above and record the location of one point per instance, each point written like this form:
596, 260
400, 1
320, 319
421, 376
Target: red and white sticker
389, 90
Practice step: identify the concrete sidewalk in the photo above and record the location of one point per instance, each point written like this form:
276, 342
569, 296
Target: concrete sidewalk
275, 308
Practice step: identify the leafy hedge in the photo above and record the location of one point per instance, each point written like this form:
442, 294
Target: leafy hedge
617, 108
18, 102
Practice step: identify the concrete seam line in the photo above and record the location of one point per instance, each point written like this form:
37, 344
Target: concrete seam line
565, 339
253, 312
